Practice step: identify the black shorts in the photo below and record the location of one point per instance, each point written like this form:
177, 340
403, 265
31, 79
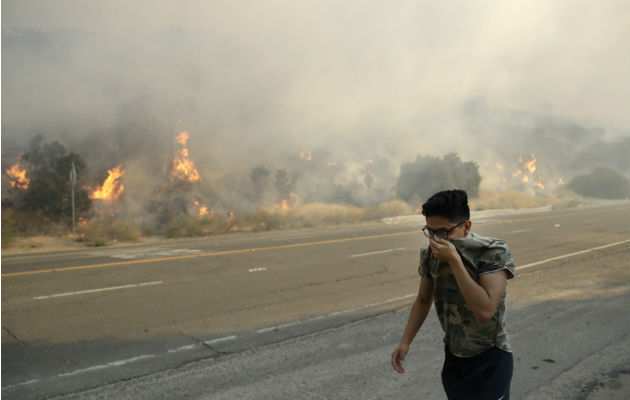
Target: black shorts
486, 376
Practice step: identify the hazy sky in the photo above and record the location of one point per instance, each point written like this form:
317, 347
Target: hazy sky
567, 57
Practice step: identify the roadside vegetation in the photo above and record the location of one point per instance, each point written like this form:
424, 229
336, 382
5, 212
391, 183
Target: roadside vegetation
37, 210
601, 182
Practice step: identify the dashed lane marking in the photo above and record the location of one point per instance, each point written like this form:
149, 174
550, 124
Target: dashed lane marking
284, 246
376, 252
290, 324
211, 254
530, 265
520, 231
107, 289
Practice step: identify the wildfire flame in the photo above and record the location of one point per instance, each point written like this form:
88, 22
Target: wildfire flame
306, 155
284, 205
18, 177
203, 210
183, 167
527, 172
531, 165
111, 187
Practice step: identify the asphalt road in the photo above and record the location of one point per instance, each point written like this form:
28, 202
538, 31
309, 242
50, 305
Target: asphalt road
306, 313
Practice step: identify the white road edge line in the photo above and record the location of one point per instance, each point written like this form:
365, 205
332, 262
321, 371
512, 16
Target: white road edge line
207, 342
32, 381
522, 267
349, 310
135, 285
376, 252
118, 363
408, 296
221, 339
184, 348
271, 328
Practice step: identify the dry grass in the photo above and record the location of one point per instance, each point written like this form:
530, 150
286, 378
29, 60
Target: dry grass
107, 231
34, 244
489, 200
103, 231
392, 208
317, 214
186, 226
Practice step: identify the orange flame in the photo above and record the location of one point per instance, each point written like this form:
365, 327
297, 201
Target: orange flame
306, 155
528, 172
284, 204
499, 166
18, 177
203, 210
183, 167
111, 188
531, 165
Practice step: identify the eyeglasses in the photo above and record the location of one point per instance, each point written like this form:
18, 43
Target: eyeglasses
440, 233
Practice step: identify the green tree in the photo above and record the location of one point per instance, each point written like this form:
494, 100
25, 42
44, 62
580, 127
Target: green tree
50, 189
427, 175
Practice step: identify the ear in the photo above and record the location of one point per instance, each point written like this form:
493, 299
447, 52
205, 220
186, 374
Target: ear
467, 227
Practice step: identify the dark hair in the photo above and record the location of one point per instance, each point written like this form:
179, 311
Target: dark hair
450, 204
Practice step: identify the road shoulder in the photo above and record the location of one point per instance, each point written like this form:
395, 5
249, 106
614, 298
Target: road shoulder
602, 375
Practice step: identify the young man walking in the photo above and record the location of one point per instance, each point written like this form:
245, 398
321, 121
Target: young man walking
465, 275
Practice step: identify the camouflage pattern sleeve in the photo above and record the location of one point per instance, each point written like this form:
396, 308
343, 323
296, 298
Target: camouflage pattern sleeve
423, 268
497, 257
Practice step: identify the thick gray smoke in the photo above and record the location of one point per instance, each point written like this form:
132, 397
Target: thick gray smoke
322, 99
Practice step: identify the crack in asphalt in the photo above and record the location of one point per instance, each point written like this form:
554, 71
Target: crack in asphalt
202, 343
20, 341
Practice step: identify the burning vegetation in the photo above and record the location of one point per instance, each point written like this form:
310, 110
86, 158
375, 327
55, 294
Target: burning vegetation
112, 188
168, 197
183, 168
527, 172
17, 176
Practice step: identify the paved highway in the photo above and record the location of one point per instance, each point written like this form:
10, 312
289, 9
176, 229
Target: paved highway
312, 311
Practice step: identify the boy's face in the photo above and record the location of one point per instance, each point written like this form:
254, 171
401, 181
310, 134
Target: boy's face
436, 223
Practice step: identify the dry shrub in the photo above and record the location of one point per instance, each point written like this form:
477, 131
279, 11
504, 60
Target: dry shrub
263, 219
102, 231
317, 214
186, 226
9, 228
34, 223
489, 200
392, 208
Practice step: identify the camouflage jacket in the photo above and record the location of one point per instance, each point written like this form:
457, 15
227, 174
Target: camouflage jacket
464, 334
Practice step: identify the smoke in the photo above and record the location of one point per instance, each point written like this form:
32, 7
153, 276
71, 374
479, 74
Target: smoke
258, 84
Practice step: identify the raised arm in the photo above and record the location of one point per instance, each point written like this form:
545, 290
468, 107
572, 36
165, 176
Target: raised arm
482, 298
